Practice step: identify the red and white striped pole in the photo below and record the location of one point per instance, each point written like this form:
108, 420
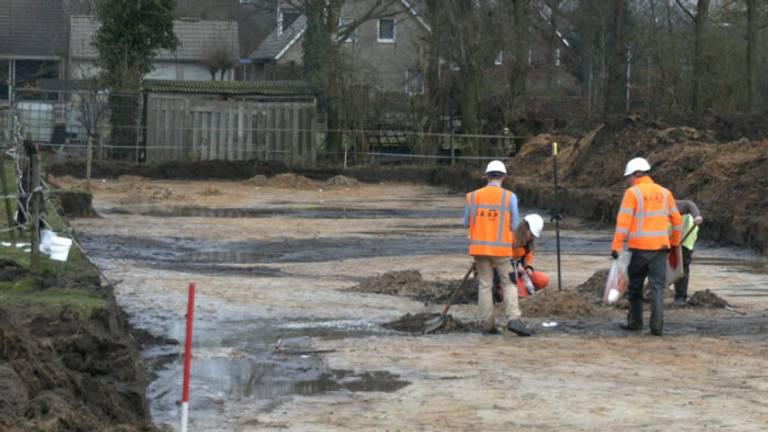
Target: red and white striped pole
187, 358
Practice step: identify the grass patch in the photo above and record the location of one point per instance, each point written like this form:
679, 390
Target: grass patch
27, 292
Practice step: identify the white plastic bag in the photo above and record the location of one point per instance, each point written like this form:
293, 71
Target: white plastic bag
675, 269
618, 280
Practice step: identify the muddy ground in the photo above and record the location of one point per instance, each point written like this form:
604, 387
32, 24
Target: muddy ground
284, 341
68, 360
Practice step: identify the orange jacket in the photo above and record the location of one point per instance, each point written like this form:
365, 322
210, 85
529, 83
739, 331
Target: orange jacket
490, 220
645, 216
525, 254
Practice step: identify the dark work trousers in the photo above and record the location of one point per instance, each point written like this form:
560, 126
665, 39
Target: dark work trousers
681, 286
651, 264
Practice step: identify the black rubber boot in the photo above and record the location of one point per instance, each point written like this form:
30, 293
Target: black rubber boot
634, 315
519, 328
657, 313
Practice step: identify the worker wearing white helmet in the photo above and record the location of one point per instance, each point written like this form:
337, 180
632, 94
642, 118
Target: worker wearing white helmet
647, 211
491, 214
528, 279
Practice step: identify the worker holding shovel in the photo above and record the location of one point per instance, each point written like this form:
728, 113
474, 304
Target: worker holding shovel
646, 213
491, 214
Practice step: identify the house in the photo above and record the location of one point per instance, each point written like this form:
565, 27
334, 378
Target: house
389, 47
32, 43
205, 47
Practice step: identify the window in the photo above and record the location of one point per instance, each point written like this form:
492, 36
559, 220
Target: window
344, 23
414, 82
499, 59
386, 30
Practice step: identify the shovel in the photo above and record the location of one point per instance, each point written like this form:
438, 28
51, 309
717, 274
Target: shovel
433, 324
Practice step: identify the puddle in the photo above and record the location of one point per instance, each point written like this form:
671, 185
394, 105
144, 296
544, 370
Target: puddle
305, 212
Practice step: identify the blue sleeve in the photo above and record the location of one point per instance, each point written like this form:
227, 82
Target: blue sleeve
515, 211
466, 216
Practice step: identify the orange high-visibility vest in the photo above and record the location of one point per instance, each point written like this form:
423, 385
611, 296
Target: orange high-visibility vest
490, 231
525, 254
645, 216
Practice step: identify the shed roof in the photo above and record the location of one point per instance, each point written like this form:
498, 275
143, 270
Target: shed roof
196, 39
231, 88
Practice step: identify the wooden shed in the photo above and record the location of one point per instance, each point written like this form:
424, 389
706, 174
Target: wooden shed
230, 120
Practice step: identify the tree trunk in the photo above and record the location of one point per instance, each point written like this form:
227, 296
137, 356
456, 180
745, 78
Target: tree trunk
699, 48
615, 96
471, 73
518, 82
753, 97
433, 65
552, 45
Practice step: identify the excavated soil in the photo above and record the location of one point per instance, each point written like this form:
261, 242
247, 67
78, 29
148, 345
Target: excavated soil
593, 288
557, 304
407, 283
707, 298
342, 181
258, 180
414, 323
61, 371
726, 178
76, 203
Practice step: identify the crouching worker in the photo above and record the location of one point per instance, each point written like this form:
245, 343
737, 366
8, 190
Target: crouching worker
524, 247
491, 215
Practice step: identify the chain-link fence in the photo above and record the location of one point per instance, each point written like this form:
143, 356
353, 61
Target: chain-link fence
149, 128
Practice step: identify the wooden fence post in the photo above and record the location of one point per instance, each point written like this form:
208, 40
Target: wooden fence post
35, 196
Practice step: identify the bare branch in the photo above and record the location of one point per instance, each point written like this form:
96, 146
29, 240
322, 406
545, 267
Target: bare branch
687, 12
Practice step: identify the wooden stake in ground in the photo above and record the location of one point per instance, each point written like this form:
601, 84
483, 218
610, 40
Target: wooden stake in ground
35, 196
88, 163
8, 204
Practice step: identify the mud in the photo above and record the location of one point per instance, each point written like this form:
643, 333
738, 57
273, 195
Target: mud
342, 181
593, 288
10, 271
75, 204
707, 298
414, 323
401, 283
299, 212
292, 181
551, 303
63, 372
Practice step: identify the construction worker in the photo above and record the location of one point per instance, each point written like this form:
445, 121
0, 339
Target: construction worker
522, 259
691, 221
646, 213
491, 214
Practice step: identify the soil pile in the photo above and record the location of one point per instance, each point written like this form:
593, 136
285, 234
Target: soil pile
76, 203
726, 178
257, 180
62, 371
414, 323
560, 304
592, 290
210, 191
400, 283
707, 298
342, 181
292, 181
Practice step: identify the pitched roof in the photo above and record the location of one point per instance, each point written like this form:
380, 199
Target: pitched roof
274, 45
196, 38
231, 88
32, 28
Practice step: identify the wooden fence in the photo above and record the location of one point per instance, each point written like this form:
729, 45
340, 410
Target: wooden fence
190, 127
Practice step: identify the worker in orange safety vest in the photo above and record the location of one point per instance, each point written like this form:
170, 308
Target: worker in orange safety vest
491, 214
647, 211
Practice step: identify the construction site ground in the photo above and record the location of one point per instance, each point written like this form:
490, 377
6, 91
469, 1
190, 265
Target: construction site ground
282, 342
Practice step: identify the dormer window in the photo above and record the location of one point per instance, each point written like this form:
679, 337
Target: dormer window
286, 17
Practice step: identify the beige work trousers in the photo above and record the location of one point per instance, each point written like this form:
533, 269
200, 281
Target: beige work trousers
484, 266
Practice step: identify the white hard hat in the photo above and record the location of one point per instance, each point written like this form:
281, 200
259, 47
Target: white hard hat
496, 166
535, 223
635, 165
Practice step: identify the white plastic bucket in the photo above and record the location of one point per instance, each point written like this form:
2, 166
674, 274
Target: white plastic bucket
60, 248
46, 236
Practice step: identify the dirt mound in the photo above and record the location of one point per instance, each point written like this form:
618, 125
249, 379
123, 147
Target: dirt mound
292, 181
400, 283
342, 181
561, 304
76, 203
10, 271
592, 290
707, 298
726, 178
257, 180
210, 191
414, 323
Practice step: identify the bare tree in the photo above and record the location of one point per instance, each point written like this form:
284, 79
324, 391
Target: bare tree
700, 24
219, 58
518, 80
